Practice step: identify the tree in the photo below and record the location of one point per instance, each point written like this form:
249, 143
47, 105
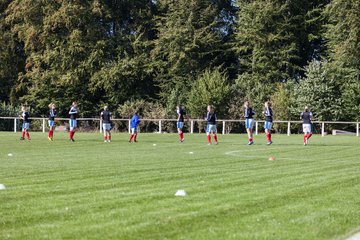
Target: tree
191, 37
84, 50
274, 41
343, 43
320, 91
210, 88
12, 58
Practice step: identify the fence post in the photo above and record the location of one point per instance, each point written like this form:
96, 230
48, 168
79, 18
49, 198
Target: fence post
100, 128
43, 125
129, 126
15, 125
322, 129
192, 127
160, 127
357, 129
256, 128
223, 127
288, 129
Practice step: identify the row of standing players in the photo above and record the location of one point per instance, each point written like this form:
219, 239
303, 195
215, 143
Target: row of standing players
211, 119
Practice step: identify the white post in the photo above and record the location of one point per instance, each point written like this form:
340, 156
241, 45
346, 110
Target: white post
100, 128
223, 127
43, 125
322, 129
160, 127
288, 129
129, 126
15, 125
256, 128
192, 127
357, 129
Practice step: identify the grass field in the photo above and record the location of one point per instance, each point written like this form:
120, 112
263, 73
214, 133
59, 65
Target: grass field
92, 190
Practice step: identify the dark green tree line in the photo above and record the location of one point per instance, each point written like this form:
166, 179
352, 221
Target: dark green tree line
194, 52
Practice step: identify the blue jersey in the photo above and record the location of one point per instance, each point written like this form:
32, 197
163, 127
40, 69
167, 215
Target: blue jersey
52, 114
211, 118
73, 112
248, 113
268, 114
134, 121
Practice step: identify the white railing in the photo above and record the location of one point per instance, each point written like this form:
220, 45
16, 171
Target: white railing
192, 121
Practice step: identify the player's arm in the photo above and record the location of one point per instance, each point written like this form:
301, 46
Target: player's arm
207, 118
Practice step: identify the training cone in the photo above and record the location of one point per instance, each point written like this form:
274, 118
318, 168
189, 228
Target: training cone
180, 193
272, 158
2, 187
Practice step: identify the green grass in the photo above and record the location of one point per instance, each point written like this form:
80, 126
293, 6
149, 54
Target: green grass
92, 190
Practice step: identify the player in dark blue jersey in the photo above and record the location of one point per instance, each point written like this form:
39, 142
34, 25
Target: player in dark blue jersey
106, 124
73, 122
211, 124
51, 121
268, 121
249, 121
180, 121
134, 123
25, 118
306, 117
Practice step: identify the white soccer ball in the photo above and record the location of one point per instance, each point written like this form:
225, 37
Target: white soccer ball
2, 187
10, 154
191, 152
154, 144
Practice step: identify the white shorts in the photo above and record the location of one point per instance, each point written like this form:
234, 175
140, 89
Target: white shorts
249, 123
106, 126
268, 125
211, 128
307, 128
133, 130
26, 126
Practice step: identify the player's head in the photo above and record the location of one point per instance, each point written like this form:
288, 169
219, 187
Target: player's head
210, 108
23, 108
105, 108
136, 112
306, 109
246, 104
52, 105
267, 104
178, 107
74, 104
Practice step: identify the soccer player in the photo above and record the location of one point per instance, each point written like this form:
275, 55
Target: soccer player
306, 117
73, 122
25, 117
268, 121
211, 124
106, 124
134, 123
249, 121
52, 115
180, 121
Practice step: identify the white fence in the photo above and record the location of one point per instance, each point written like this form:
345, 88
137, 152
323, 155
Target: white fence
192, 121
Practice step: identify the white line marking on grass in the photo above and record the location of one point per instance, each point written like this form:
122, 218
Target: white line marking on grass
354, 237
234, 154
